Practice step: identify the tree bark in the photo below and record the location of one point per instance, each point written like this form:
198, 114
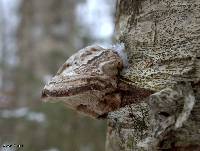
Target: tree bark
162, 42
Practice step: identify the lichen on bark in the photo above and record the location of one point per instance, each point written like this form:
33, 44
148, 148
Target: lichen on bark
130, 125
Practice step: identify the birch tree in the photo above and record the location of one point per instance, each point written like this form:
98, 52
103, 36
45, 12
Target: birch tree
162, 42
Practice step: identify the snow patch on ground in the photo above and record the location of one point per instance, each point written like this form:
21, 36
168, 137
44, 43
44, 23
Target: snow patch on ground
24, 113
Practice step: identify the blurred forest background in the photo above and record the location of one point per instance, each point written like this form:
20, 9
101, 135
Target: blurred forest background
36, 37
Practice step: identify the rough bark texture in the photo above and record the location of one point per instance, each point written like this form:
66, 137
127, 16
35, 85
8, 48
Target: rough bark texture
162, 41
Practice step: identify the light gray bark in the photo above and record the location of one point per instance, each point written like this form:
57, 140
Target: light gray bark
162, 43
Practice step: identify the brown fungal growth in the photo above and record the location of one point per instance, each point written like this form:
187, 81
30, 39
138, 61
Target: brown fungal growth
87, 82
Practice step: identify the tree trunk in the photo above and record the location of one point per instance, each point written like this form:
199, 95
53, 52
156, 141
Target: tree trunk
162, 42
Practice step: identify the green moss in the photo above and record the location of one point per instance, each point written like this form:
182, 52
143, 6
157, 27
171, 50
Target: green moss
130, 142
